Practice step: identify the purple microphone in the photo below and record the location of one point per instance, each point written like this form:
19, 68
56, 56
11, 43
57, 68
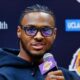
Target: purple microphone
48, 65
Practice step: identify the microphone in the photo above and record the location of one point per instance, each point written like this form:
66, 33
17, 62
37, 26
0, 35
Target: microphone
48, 65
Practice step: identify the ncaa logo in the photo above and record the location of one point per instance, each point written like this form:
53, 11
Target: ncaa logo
72, 25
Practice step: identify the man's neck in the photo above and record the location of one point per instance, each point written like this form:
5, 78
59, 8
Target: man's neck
24, 56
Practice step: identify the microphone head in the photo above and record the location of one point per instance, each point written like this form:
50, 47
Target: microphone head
47, 56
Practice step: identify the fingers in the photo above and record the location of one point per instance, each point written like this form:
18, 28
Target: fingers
55, 75
58, 72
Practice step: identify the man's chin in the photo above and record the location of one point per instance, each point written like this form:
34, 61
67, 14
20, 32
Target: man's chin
39, 52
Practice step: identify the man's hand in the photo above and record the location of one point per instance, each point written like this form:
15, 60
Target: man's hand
55, 75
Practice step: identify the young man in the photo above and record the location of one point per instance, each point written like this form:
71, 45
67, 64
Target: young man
36, 32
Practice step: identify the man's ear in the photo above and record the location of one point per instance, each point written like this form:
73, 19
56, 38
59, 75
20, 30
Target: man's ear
55, 31
18, 31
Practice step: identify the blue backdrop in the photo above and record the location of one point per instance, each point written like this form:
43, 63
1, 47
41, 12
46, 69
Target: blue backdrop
66, 42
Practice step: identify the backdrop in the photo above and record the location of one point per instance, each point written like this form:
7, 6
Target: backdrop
68, 37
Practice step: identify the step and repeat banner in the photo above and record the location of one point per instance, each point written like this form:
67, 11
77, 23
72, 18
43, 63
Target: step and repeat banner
67, 14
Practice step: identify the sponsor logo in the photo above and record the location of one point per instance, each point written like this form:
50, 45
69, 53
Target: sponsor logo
3, 25
47, 65
72, 25
75, 63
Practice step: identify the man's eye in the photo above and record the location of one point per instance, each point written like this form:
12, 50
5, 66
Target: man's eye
31, 28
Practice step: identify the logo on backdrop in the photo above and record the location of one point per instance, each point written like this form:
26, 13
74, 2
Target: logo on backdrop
72, 25
75, 63
3, 25
78, 1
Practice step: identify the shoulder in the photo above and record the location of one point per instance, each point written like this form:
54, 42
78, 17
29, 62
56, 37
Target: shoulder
7, 73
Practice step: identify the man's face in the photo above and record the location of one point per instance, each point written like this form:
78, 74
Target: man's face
37, 44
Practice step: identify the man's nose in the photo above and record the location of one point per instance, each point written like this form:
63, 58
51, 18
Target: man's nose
39, 36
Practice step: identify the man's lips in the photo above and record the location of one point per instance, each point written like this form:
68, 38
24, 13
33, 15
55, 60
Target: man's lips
38, 46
